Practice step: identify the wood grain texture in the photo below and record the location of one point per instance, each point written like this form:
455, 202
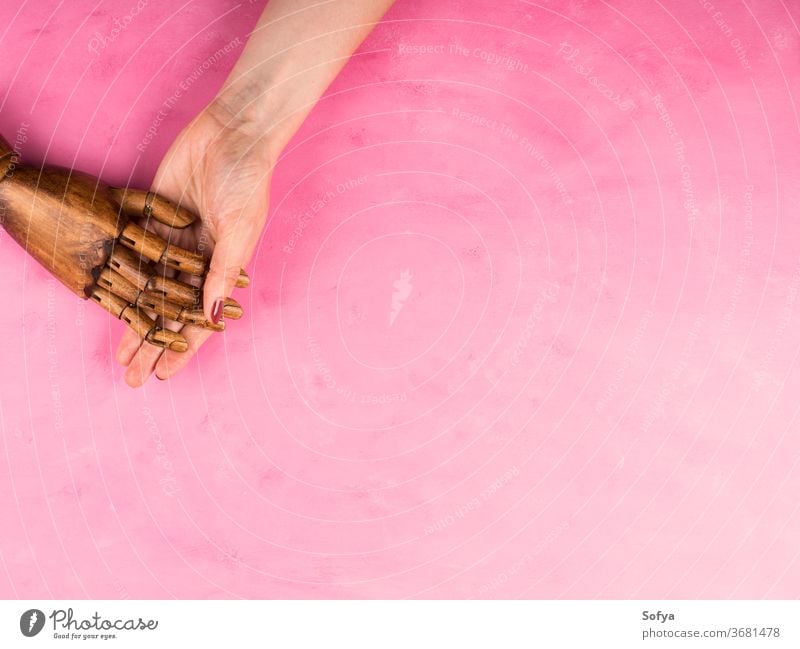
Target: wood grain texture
148, 204
78, 228
67, 220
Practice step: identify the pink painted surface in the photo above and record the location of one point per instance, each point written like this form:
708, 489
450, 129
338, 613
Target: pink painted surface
518, 327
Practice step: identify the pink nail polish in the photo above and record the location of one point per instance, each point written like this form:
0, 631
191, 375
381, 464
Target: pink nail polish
216, 311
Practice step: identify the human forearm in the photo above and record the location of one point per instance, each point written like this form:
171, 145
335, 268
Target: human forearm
294, 53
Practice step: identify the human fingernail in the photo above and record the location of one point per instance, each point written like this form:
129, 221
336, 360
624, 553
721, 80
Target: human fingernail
216, 312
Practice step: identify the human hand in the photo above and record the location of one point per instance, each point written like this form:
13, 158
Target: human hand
221, 169
221, 165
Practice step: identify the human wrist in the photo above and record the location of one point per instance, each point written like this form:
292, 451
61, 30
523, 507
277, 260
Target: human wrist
294, 53
261, 106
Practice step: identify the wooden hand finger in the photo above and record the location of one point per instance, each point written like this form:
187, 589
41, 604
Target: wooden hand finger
156, 303
147, 278
149, 204
152, 247
243, 281
137, 320
184, 315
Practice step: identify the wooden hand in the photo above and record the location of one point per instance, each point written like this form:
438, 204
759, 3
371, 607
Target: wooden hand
84, 232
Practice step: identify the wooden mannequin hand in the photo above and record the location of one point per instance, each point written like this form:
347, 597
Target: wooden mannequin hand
84, 233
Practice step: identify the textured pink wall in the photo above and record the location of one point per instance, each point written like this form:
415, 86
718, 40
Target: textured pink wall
523, 322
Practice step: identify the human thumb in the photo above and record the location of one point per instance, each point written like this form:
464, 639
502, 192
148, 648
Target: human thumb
226, 268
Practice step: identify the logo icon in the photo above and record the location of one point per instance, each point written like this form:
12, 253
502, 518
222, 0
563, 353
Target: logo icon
31, 622
402, 291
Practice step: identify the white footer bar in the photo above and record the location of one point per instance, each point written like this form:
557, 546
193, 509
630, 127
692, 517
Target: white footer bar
399, 624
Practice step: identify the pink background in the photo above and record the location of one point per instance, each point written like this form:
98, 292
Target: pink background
587, 383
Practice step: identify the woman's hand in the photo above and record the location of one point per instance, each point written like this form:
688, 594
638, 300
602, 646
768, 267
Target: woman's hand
221, 164
219, 167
